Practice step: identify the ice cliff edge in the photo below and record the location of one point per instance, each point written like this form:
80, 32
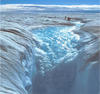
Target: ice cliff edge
16, 59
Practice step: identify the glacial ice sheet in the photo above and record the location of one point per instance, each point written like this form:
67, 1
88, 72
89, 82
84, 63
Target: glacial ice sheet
64, 73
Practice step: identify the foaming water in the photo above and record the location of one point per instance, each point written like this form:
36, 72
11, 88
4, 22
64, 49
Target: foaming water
58, 43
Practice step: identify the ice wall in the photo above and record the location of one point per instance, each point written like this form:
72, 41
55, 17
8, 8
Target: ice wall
17, 63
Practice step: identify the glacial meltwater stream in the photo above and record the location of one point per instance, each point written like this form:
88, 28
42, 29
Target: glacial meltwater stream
57, 43
61, 57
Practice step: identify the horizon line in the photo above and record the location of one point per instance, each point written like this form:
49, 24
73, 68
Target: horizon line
43, 7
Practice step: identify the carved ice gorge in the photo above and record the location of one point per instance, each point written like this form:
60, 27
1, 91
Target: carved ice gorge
21, 54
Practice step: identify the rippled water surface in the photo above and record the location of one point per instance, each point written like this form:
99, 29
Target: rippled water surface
58, 43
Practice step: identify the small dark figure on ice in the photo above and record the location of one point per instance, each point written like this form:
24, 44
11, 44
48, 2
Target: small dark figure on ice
67, 18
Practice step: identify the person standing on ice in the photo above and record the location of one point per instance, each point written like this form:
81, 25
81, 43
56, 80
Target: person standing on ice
68, 18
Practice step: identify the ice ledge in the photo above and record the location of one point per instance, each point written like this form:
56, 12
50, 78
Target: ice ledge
16, 59
92, 27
